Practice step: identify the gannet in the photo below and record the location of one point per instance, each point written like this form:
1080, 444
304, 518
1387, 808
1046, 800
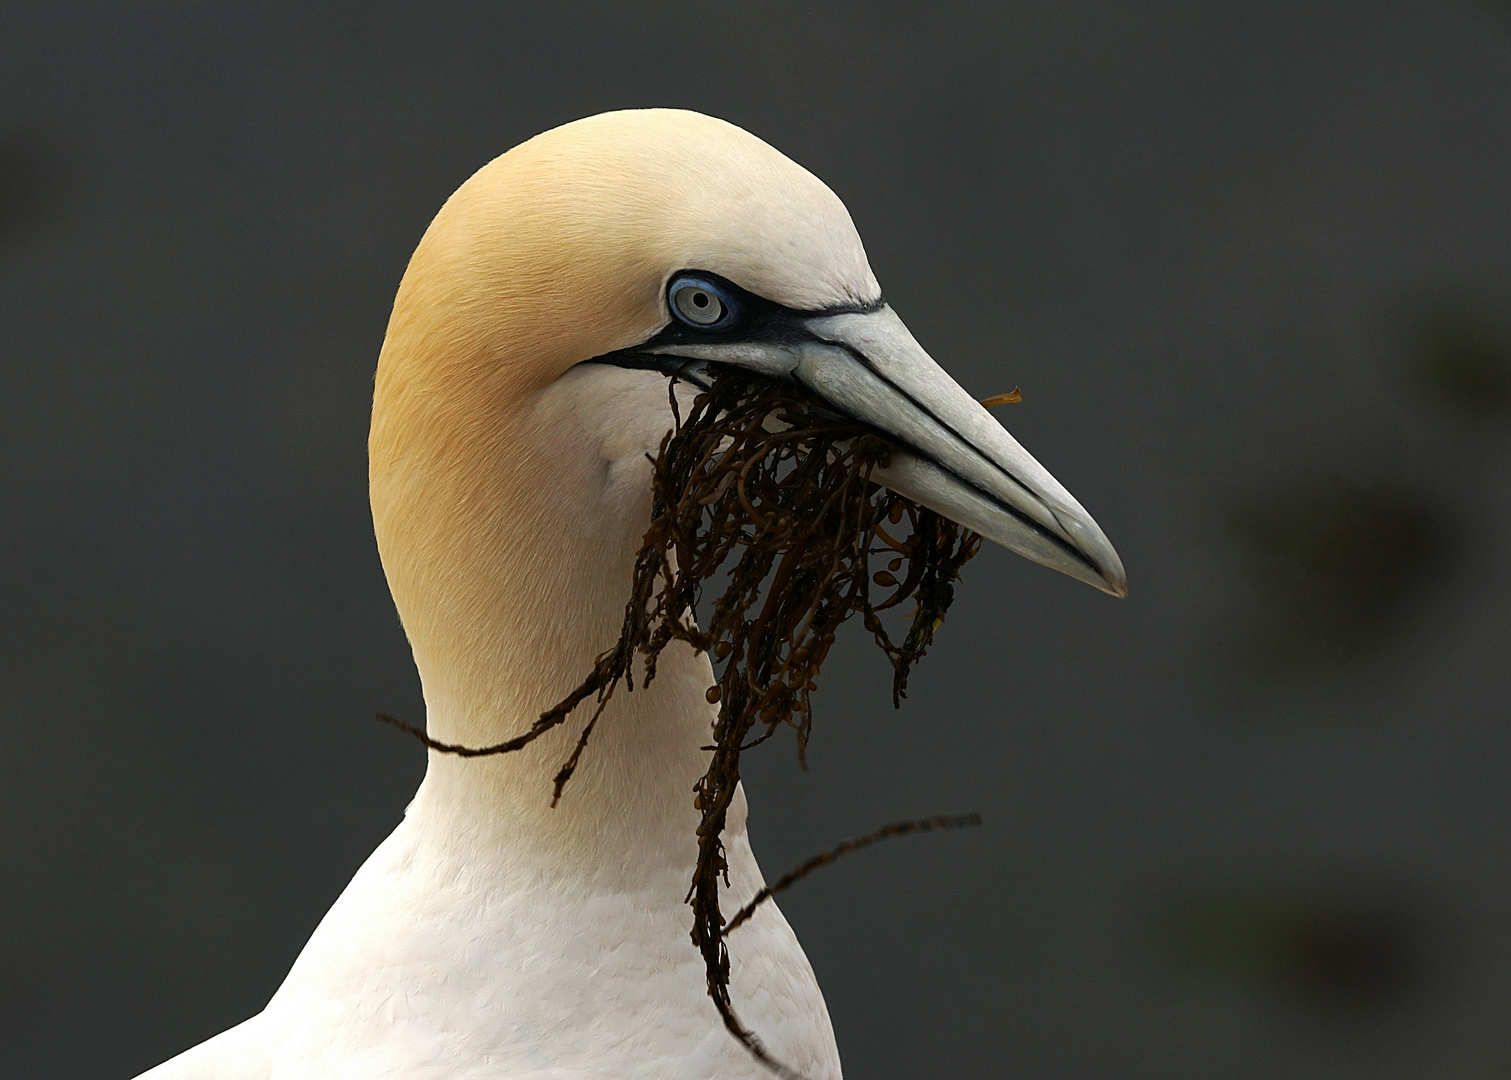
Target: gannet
521, 386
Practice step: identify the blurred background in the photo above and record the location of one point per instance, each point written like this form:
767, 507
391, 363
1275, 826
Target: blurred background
1251, 265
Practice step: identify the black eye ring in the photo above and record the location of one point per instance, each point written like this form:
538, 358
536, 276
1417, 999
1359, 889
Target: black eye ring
700, 303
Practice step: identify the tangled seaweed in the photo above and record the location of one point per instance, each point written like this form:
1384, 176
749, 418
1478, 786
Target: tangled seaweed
767, 492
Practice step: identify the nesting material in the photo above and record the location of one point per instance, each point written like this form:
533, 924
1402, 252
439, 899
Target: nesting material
763, 495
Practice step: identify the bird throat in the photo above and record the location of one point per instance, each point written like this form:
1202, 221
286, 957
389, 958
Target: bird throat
767, 534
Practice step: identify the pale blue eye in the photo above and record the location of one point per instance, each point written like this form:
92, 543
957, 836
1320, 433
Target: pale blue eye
700, 303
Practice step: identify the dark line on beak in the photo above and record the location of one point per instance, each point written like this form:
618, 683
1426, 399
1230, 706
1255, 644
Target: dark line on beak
1067, 546
686, 369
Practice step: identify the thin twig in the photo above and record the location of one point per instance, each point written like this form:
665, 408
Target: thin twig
886, 832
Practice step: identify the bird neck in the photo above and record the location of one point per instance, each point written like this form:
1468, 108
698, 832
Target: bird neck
509, 538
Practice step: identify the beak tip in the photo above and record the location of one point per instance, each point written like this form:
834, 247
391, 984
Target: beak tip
1103, 568
1114, 578
1109, 578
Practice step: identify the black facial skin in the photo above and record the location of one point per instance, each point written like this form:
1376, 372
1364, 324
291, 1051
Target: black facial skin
755, 319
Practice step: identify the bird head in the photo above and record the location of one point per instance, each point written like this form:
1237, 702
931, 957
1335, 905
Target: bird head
668, 240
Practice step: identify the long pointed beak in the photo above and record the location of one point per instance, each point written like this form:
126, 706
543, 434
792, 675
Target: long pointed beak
954, 458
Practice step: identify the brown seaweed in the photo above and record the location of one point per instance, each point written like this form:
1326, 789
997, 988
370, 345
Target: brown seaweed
768, 493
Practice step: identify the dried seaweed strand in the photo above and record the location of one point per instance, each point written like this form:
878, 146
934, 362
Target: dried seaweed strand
764, 485
855, 843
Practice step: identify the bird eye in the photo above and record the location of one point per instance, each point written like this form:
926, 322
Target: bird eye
700, 303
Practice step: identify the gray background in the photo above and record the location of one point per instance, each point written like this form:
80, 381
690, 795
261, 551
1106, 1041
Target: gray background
1251, 264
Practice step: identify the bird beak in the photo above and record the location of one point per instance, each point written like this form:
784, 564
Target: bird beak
953, 456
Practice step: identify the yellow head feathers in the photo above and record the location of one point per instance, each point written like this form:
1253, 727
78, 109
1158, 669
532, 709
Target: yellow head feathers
560, 249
